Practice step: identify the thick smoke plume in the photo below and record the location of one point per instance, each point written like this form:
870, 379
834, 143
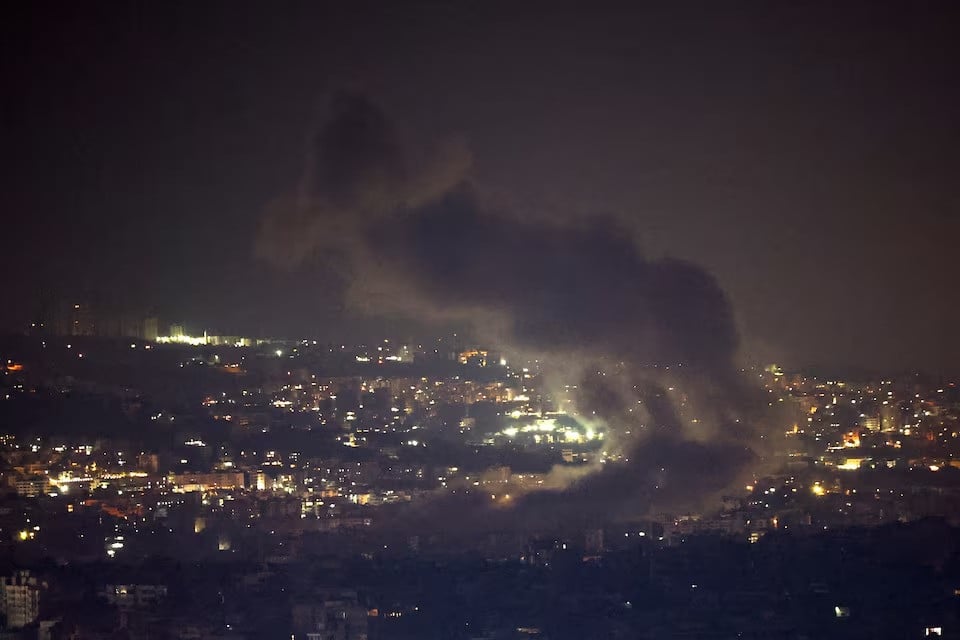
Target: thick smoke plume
356, 175
650, 344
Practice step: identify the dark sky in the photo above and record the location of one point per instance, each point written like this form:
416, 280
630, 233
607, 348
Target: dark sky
804, 153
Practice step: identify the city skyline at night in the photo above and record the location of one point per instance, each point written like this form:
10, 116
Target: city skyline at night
479, 321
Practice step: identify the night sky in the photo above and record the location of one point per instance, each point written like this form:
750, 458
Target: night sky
805, 154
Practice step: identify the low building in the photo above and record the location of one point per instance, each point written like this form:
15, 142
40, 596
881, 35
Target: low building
134, 596
206, 481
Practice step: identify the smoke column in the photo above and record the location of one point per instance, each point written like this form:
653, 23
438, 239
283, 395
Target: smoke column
414, 232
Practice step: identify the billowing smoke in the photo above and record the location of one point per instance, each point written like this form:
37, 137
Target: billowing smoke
356, 175
650, 344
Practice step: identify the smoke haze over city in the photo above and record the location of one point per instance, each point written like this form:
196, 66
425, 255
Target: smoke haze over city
479, 321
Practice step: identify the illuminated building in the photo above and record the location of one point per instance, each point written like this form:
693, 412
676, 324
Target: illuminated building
229, 341
851, 464
473, 356
188, 482
20, 599
851, 439
179, 336
31, 487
